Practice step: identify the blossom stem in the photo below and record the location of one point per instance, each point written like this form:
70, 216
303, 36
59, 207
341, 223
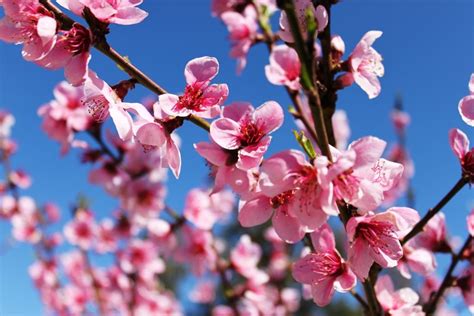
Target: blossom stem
430, 307
328, 95
308, 78
103, 46
373, 304
360, 299
433, 211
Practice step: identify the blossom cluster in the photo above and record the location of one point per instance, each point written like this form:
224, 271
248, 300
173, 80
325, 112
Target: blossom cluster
282, 205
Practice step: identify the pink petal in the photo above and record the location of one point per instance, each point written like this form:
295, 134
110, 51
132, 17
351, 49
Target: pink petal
76, 70
237, 110
323, 239
322, 292
359, 258
225, 133
466, 109
212, 153
251, 156
287, 227
459, 143
255, 212
151, 134
173, 157
167, 103
128, 16
46, 28
346, 281
123, 122
368, 150
470, 223
271, 115
202, 69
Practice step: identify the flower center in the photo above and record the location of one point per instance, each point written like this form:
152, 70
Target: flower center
282, 198
78, 39
376, 234
250, 132
191, 99
346, 185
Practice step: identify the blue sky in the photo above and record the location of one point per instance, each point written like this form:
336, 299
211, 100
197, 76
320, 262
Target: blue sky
428, 51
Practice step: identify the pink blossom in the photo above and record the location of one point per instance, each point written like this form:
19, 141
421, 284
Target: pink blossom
470, 223
197, 250
293, 190
155, 133
44, 273
399, 155
20, 179
466, 105
7, 120
124, 12
71, 51
324, 270
143, 197
284, 68
338, 47
366, 64
342, 130
82, 230
460, 146
8, 206
101, 100
397, 303
65, 115
223, 165
433, 236
203, 209
242, 33
244, 130
245, 257
52, 212
27, 22
301, 6
107, 238
418, 260
26, 220
203, 293
466, 284
400, 120
360, 176
140, 256
200, 97
376, 238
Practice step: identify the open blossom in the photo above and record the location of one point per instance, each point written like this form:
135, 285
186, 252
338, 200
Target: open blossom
143, 197
65, 115
204, 209
366, 64
466, 283
101, 100
7, 120
419, 260
71, 52
123, 12
470, 223
360, 176
242, 33
82, 230
154, 132
433, 236
397, 303
284, 68
27, 22
244, 130
245, 257
301, 6
466, 105
294, 191
460, 146
26, 220
224, 170
376, 237
200, 97
324, 269
197, 250
139, 256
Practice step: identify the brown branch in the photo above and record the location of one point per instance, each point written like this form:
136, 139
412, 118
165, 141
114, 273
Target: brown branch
103, 46
433, 211
430, 307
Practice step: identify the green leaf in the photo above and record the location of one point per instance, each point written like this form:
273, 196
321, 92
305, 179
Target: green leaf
305, 143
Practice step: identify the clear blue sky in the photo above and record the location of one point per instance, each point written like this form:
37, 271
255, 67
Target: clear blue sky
428, 51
